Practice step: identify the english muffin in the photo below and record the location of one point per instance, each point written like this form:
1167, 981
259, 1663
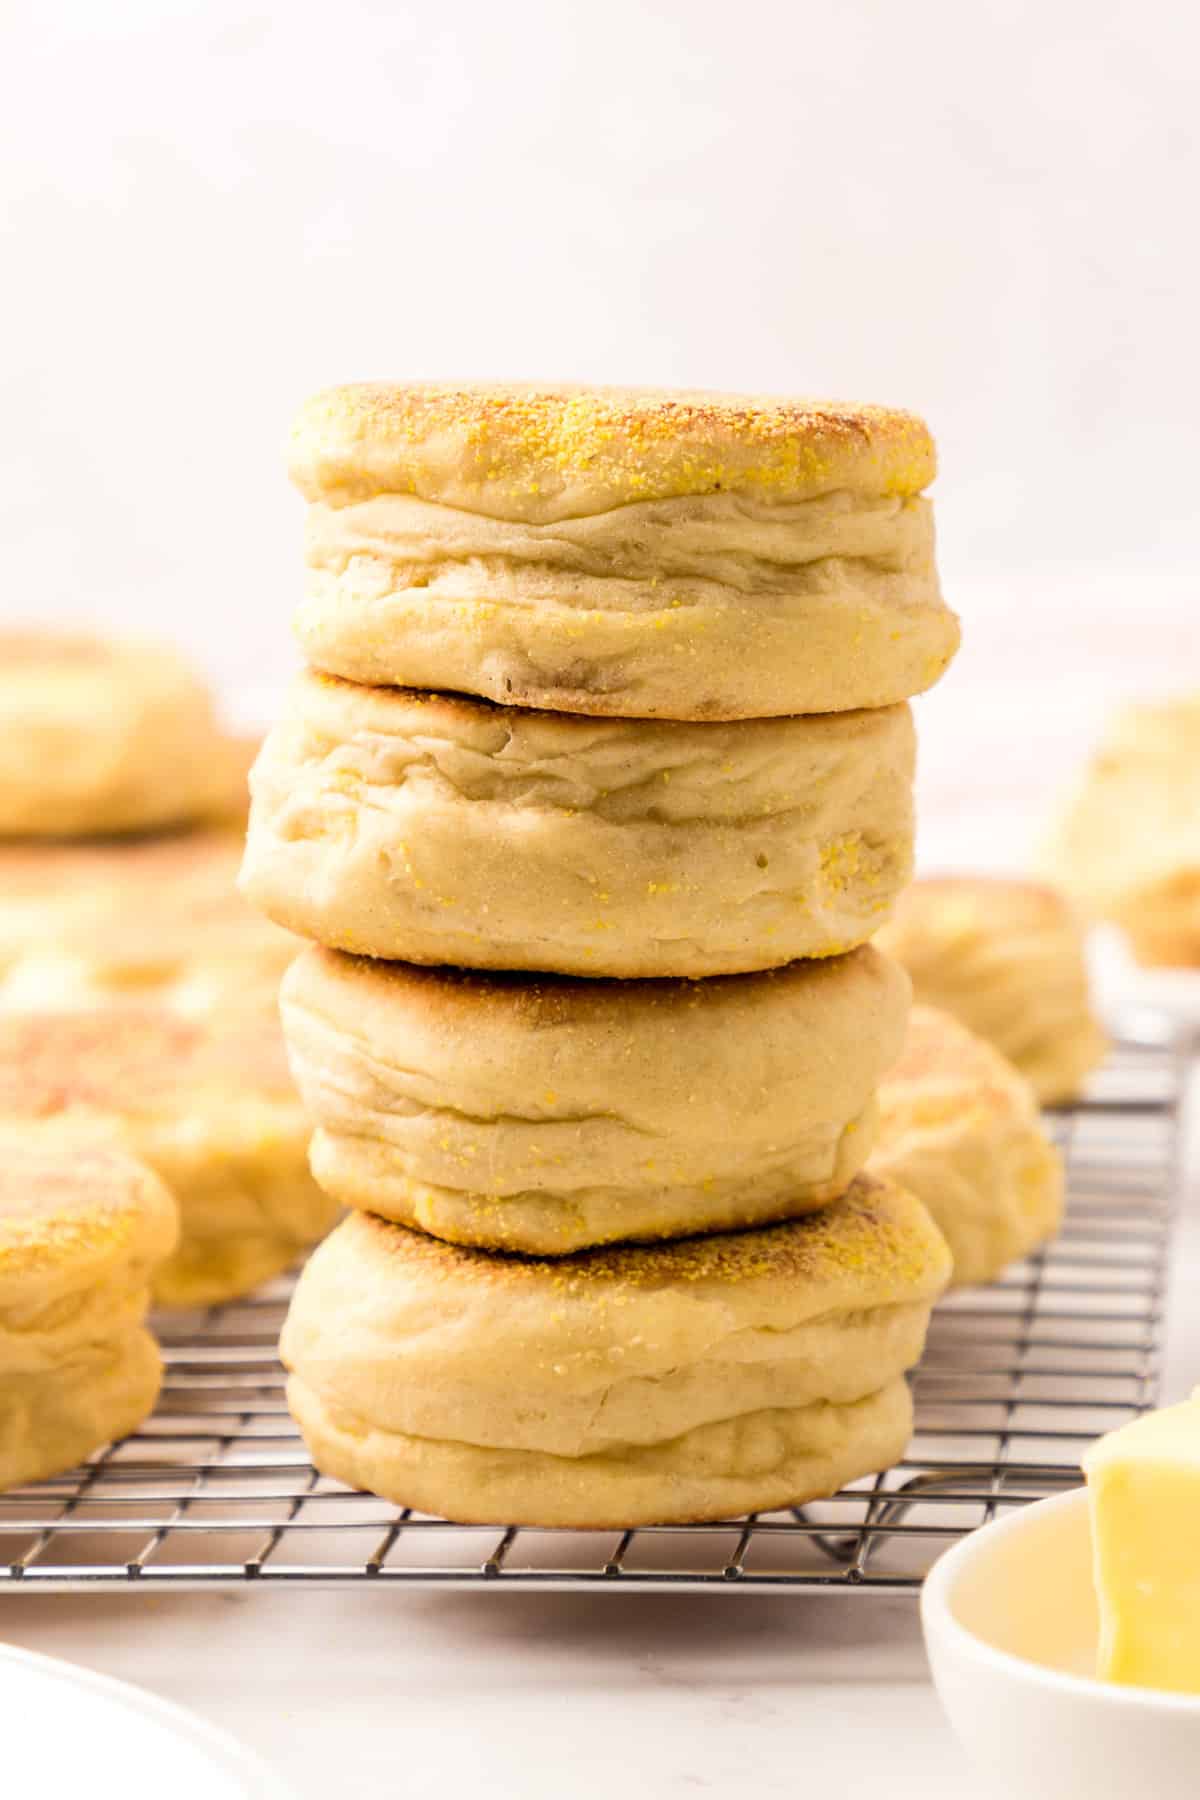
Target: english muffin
137, 921
1128, 848
84, 1226
1007, 959
98, 736
621, 552
444, 830
545, 1114
961, 1129
208, 1104
694, 1380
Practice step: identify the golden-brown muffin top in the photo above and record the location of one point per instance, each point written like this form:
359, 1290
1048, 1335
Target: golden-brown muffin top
72, 1196
129, 1062
543, 452
329, 980
336, 708
876, 1240
945, 1069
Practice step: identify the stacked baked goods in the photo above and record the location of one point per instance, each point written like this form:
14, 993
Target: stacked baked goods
598, 783
154, 1143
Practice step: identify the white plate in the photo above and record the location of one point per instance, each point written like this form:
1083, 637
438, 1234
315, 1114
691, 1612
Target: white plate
70, 1733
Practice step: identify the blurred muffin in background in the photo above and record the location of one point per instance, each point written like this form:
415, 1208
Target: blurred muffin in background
229, 787
960, 1129
209, 1105
137, 987
147, 920
100, 736
99, 742
83, 1227
1006, 958
1128, 846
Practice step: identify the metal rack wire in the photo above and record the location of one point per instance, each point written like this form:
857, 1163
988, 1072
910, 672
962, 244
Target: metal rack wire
215, 1490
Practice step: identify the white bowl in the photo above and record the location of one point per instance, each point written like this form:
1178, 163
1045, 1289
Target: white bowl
1011, 1629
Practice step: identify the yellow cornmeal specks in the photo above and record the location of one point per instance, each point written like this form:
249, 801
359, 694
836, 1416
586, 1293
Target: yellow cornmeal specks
841, 860
413, 877
133, 1063
63, 1199
31, 1240
875, 1232
527, 443
772, 533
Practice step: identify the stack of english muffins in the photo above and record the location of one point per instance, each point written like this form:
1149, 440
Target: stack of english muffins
597, 784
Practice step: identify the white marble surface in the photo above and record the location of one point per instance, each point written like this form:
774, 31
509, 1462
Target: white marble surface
530, 1697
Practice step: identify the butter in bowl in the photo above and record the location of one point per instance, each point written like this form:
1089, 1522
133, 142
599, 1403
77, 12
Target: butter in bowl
1065, 1638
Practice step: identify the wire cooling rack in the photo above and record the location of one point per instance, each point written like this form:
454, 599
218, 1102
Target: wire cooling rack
215, 1490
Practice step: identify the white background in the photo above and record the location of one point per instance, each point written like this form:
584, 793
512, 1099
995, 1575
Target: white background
984, 211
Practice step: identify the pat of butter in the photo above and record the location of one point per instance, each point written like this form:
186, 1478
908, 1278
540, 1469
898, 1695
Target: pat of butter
1144, 1489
